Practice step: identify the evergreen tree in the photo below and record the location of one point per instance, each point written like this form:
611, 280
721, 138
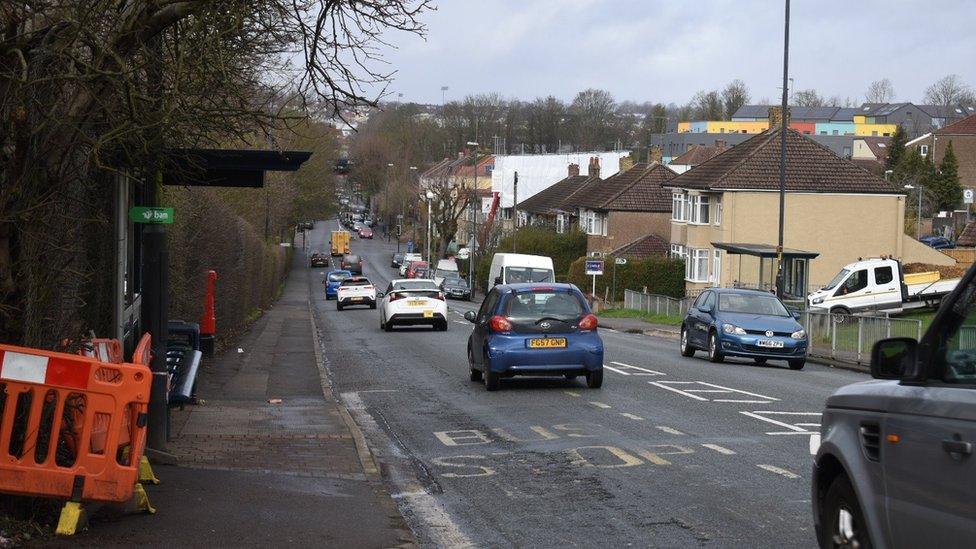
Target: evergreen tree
945, 186
896, 149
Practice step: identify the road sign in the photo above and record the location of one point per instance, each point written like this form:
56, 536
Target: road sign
968, 195
158, 216
463, 253
594, 267
620, 261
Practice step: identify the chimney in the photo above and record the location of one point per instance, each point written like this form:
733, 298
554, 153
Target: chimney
594, 170
775, 118
573, 170
626, 163
655, 154
720, 143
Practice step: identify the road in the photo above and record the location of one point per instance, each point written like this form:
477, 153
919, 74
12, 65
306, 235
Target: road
672, 451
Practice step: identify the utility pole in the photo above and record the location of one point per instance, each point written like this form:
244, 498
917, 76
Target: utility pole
474, 219
386, 202
514, 211
782, 153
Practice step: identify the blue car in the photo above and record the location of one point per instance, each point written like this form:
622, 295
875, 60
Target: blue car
743, 323
332, 281
534, 329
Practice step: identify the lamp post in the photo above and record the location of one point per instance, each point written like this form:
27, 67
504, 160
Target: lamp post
918, 220
430, 201
474, 218
386, 202
782, 154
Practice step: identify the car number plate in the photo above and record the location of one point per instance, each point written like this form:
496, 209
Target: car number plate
547, 343
770, 343
417, 302
357, 298
428, 314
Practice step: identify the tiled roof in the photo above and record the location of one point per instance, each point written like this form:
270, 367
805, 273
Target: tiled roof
754, 164
967, 238
598, 191
697, 155
644, 247
947, 111
966, 126
878, 145
646, 194
555, 197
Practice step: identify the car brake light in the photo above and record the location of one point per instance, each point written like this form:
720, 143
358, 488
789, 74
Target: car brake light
370, 287
589, 322
395, 296
500, 324
440, 296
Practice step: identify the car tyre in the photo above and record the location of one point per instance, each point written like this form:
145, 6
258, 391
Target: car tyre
492, 379
714, 354
759, 361
840, 315
388, 325
797, 364
842, 520
686, 348
338, 306
372, 305
594, 379
475, 375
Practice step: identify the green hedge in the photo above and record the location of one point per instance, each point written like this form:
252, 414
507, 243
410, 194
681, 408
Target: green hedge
660, 275
562, 248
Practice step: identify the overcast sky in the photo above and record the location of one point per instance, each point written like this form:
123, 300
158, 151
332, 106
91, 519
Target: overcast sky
657, 50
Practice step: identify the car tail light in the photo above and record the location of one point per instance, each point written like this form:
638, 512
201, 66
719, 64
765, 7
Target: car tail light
440, 296
370, 287
500, 324
395, 296
589, 322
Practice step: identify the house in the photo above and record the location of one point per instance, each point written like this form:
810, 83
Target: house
870, 153
624, 208
696, 155
943, 115
962, 135
881, 119
648, 246
725, 216
552, 206
460, 173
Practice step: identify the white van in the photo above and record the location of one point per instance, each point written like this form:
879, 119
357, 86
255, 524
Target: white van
445, 268
515, 268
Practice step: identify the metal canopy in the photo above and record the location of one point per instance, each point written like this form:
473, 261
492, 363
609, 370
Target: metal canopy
762, 250
227, 167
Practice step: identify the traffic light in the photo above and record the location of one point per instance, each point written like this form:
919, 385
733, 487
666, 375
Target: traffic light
398, 230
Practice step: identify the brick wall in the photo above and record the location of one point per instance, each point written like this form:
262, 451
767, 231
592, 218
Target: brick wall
626, 227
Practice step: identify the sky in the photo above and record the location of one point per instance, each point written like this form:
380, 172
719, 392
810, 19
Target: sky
666, 50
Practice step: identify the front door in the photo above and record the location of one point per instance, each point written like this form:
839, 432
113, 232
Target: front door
887, 288
855, 292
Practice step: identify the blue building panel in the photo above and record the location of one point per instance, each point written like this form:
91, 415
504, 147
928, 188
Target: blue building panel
834, 128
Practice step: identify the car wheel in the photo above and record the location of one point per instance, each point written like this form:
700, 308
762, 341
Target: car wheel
443, 326
475, 375
797, 364
840, 315
388, 325
338, 306
372, 305
760, 360
686, 348
714, 354
842, 521
492, 379
594, 379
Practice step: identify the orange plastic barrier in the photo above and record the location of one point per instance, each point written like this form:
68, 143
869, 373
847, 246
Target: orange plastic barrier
72, 426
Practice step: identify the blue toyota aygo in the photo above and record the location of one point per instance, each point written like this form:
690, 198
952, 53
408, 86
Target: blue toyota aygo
534, 330
332, 281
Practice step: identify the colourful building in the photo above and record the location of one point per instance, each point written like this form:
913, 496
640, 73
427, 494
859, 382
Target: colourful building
834, 128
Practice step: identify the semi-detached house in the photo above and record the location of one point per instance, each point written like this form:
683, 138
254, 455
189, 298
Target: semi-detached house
724, 219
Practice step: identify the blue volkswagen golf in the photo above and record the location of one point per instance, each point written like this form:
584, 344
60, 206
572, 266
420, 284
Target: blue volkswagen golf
534, 330
743, 323
332, 281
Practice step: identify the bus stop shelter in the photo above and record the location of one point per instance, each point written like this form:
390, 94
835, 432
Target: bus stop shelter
796, 267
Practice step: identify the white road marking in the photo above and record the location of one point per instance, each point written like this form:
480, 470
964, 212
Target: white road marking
600, 405
612, 369
814, 444
638, 371
719, 449
632, 416
459, 322
670, 430
778, 470
572, 394
711, 388
793, 428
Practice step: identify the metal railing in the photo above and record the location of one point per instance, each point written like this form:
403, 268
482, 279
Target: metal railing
850, 338
656, 304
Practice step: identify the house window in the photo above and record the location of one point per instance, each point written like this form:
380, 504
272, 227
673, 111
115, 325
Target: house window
874, 133
699, 209
594, 223
835, 132
560, 223
717, 268
677, 251
678, 202
696, 266
718, 211
923, 150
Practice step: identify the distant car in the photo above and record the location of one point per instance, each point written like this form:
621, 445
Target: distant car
413, 266
937, 242
366, 232
396, 260
356, 225
421, 272
355, 290
534, 329
332, 281
405, 262
456, 287
318, 260
743, 323
895, 467
412, 302
352, 263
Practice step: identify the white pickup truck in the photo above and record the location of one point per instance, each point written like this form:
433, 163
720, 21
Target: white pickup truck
879, 284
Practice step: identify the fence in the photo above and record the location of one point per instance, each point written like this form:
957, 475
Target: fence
656, 304
850, 338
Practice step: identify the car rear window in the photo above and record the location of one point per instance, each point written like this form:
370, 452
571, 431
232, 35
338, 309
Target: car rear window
754, 304
515, 275
338, 277
355, 282
415, 285
563, 305
351, 259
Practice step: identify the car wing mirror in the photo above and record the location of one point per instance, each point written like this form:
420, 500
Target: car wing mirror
892, 358
380, 294
707, 309
470, 316
498, 280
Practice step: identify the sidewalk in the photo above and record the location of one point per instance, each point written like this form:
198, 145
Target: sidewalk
252, 473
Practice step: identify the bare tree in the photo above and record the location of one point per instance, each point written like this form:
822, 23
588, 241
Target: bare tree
808, 98
734, 96
880, 91
593, 114
949, 90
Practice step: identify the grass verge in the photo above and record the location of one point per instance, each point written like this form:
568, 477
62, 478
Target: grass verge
646, 317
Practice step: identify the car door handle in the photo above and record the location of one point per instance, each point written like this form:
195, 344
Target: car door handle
957, 447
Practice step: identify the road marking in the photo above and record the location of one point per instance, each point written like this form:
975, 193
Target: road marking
624, 459
600, 405
638, 371
670, 430
794, 428
612, 369
720, 449
459, 322
814, 444
778, 470
632, 416
572, 394
710, 389
462, 437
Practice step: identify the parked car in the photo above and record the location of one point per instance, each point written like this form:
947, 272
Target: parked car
407, 258
743, 323
534, 329
318, 260
355, 290
456, 287
412, 302
895, 465
413, 266
332, 281
352, 263
366, 232
937, 242
397, 260
444, 268
421, 272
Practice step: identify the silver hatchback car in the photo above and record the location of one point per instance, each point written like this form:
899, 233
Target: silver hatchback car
895, 466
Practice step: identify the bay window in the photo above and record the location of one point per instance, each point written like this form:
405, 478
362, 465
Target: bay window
699, 209
718, 210
678, 201
696, 265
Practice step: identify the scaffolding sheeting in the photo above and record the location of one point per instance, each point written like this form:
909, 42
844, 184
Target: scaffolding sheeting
540, 171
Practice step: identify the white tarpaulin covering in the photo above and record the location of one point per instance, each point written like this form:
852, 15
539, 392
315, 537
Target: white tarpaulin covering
540, 171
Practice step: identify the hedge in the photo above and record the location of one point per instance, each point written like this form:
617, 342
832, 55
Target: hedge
562, 248
660, 275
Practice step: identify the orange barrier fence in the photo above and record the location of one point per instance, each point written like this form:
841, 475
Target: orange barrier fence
72, 426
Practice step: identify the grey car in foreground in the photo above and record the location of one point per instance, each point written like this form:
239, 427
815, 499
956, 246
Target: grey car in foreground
895, 467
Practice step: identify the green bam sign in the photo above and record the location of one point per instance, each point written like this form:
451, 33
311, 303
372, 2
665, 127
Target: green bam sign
151, 215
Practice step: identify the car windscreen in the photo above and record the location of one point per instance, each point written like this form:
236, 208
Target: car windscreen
445, 273
456, 282
351, 259
837, 279
355, 282
755, 304
415, 285
536, 304
514, 275
339, 277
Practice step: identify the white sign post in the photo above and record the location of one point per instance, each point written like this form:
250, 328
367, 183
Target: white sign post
968, 195
594, 267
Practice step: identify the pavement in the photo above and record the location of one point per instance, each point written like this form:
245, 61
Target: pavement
672, 451
269, 457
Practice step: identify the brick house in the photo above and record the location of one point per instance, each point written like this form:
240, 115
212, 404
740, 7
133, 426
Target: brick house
962, 135
552, 206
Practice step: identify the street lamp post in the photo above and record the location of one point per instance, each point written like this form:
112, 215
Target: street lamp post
474, 218
386, 202
430, 260
780, 282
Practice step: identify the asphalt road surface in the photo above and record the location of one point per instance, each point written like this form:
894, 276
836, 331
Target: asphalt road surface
671, 452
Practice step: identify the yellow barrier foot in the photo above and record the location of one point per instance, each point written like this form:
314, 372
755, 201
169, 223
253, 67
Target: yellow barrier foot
73, 519
146, 472
142, 500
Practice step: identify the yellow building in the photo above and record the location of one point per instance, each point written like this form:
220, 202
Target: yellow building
731, 126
